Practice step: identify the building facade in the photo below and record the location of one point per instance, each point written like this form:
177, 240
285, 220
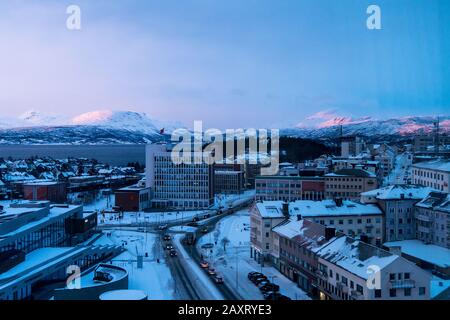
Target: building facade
433, 174
228, 182
289, 188
178, 186
349, 183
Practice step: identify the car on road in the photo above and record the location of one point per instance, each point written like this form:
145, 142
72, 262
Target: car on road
204, 265
162, 226
173, 253
192, 224
218, 279
169, 247
205, 230
206, 216
167, 237
267, 287
195, 219
207, 246
212, 271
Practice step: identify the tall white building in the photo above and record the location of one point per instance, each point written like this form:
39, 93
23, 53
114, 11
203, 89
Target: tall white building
179, 186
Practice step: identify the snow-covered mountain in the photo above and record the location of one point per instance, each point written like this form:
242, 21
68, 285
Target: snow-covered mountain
96, 127
107, 127
368, 127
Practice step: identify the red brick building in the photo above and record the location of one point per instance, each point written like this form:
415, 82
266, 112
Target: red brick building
133, 198
52, 191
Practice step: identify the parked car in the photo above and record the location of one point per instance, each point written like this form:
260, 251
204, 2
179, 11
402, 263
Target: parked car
253, 274
218, 280
263, 283
167, 237
269, 287
204, 265
259, 279
173, 253
211, 271
271, 295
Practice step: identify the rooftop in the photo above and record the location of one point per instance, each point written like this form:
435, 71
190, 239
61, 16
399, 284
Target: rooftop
352, 173
440, 165
309, 208
431, 253
355, 256
395, 192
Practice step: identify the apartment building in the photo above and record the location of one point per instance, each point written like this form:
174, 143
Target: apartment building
433, 219
297, 238
434, 174
263, 217
349, 269
349, 183
426, 143
289, 188
397, 202
347, 217
178, 186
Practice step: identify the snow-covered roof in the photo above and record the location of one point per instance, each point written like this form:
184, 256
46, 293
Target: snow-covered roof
352, 173
270, 209
439, 201
355, 256
395, 192
431, 253
304, 232
309, 208
440, 165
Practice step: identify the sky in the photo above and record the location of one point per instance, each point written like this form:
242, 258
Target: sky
233, 63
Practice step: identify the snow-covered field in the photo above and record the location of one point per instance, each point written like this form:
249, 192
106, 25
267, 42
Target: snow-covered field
154, 278
231, 258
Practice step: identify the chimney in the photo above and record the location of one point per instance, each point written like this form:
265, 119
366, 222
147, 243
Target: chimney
339, 202
329, 233
299, 217
364, 238
286, 209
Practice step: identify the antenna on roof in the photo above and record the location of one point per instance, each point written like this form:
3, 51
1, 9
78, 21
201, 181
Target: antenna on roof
436, 136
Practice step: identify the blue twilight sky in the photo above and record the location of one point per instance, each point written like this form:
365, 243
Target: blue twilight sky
229, 63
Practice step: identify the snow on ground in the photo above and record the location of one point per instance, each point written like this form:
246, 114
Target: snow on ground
233, 200
182, 229
154, 278
150, 217
203, 283
232, 259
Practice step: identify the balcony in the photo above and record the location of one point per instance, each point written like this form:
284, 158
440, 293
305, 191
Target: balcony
403, 284
422, 217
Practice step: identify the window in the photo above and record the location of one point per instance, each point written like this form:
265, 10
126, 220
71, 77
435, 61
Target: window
352, 285
392, 293
407, 292
392, 276
331, 273
422, 291
359, 288
378, 293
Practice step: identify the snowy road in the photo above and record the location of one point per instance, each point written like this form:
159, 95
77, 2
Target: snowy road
231, 258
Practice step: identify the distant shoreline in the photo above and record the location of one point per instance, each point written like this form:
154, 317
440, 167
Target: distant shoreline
113, 154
